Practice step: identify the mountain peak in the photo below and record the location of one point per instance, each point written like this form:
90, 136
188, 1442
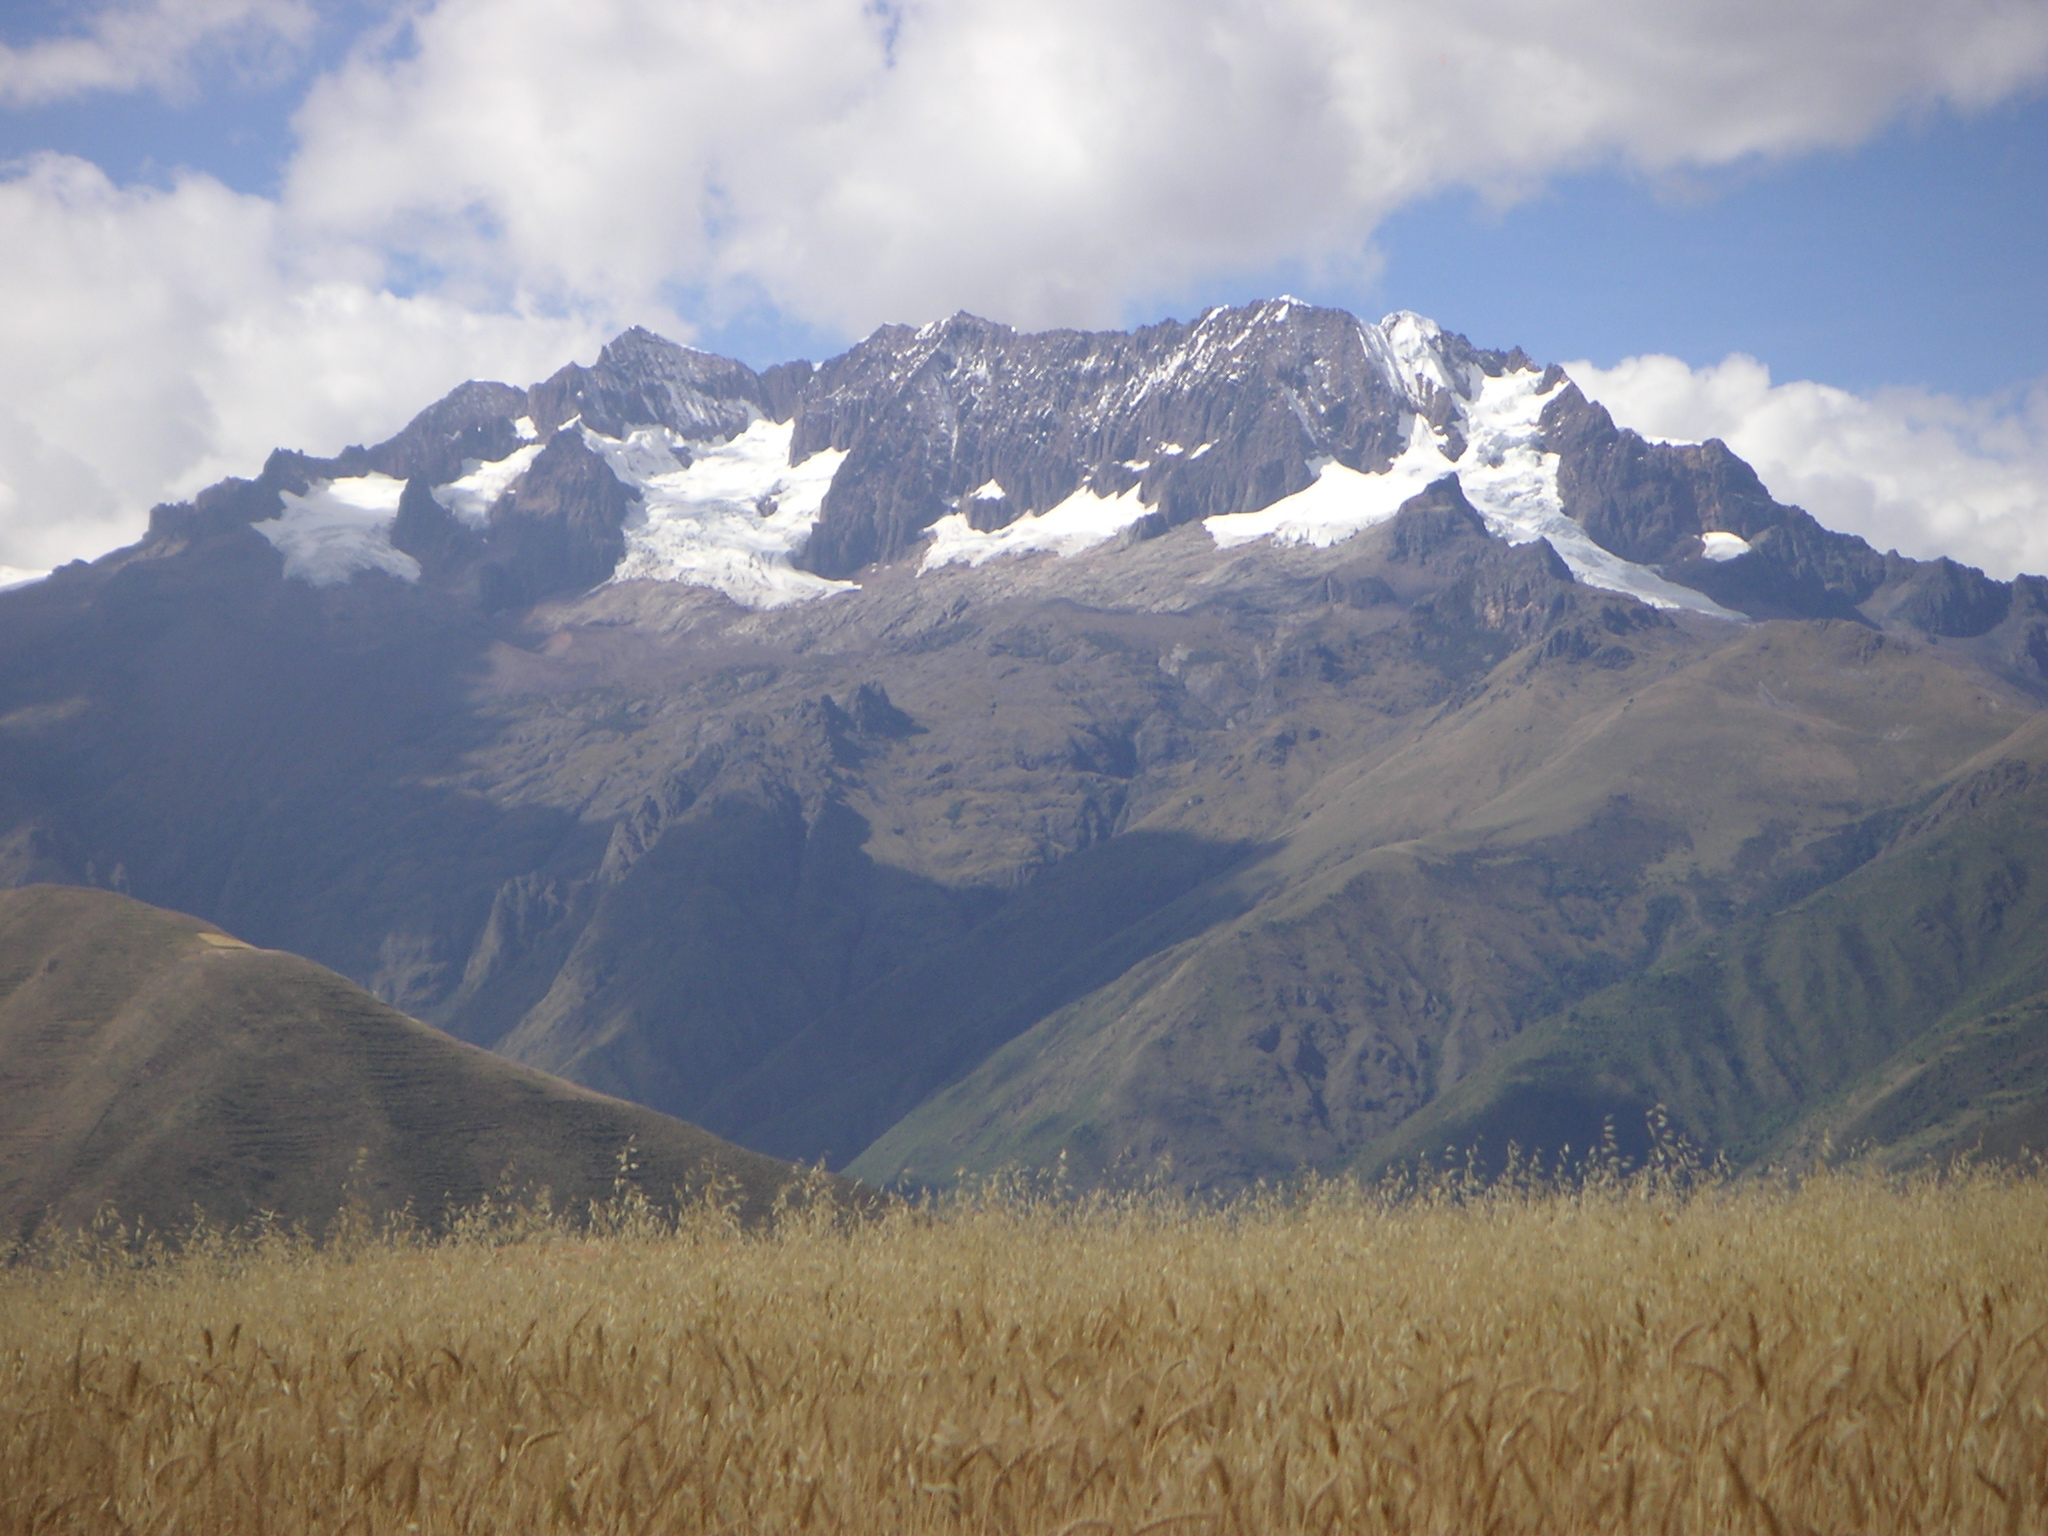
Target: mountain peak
1275, 419
1286, 710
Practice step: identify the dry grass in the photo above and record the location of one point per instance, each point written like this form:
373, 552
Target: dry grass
1847, 1357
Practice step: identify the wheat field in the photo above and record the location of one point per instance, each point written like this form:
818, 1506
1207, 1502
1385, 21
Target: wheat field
1846, 1355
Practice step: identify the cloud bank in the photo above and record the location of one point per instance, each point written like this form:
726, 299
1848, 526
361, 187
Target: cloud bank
486, 187
859, 162
171, 337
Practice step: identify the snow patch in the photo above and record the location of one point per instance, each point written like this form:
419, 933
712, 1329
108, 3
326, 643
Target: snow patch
1339, 502
1410, 351
526, 430
1080, 522
733, 519
471, 497
1513, 484
1721, 545
1508, 479
988, 490
340, 527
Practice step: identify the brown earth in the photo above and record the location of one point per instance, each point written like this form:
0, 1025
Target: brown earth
153, 1064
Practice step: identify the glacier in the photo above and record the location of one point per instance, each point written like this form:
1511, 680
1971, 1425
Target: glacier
1506, 476
734, 518
339, 527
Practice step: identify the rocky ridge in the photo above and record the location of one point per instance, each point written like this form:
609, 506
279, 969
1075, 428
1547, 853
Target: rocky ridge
1303, 710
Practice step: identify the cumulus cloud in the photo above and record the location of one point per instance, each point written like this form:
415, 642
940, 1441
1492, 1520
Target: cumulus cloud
168, 337
858, 162
124, 47
1923, 473
539, 174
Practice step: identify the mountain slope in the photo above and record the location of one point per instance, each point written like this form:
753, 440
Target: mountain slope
150, 1062
1904, 1006
1565, 828
1232, 735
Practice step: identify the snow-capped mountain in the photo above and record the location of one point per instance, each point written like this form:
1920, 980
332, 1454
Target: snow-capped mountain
1220, 739
965, 441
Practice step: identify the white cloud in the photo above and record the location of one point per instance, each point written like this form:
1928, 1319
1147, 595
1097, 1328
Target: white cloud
1924, 473
168, 337
1052, 163
153, 45
544, 172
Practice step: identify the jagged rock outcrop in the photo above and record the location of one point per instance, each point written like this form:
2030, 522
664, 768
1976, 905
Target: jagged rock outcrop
1653, 502
641, 379
430, 533
1437, 520
474, 421
1124, 833
1942, 597
1649, 502
1224, 415
559, 528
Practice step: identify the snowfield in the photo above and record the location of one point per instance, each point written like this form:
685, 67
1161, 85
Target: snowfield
1082, 521
735, 514
340, 527
734, 519
1507, 478
472, 497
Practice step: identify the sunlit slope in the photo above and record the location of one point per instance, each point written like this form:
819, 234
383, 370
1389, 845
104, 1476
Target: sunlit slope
150, 1062
1903, 1008
1565, 827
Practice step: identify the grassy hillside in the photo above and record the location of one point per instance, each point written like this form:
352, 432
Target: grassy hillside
1905, 1006
1564, 828
151, 1062
1853, 1356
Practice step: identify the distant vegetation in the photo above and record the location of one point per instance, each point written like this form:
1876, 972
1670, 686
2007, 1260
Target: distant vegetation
1655, 1353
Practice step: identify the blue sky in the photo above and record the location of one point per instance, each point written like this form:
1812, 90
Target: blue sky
1814, 229
1919, 258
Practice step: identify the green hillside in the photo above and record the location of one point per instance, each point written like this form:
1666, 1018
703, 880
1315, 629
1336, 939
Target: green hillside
1431, 913
1903, 1008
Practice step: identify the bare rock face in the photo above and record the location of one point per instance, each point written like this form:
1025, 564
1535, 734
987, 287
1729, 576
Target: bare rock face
1224, 415
1653, 502
641, 379
474, 421
1648, 501
430, 533
1438, 519
1941, 597
560, 528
